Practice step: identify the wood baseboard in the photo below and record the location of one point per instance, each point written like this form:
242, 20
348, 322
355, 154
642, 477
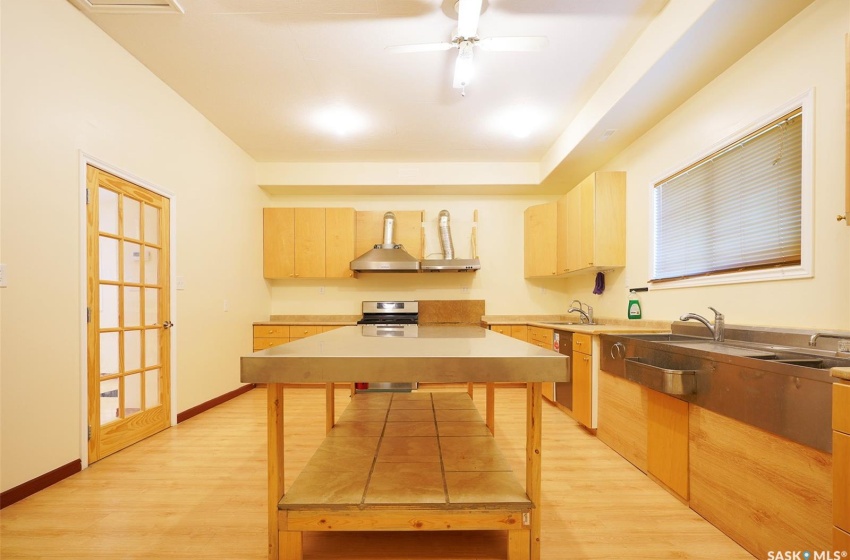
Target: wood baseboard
37, 484
212, 403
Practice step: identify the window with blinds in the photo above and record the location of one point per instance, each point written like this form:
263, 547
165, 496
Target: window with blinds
735, 210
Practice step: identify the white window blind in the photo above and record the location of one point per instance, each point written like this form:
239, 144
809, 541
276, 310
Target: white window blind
737, 209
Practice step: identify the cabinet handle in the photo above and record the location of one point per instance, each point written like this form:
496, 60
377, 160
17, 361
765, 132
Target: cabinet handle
579, 343
586, 359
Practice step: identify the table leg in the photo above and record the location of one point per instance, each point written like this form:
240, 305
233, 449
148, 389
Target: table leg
533, 452
329, 407
490, 409
275, 450
470, 389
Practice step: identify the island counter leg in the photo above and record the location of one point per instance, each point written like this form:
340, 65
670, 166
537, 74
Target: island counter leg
275, 447
490, 408
533, 452
330, 416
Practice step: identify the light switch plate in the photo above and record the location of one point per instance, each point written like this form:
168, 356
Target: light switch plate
2, 275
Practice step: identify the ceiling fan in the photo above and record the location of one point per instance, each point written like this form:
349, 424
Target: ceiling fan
465, 39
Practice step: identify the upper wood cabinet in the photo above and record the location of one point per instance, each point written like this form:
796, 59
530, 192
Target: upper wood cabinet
583, 230
540, 240
308, 242
592, 224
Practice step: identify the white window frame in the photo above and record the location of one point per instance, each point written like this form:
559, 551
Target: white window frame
806, 267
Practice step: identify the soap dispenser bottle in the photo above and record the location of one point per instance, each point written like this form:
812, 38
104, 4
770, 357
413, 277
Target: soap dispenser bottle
634, 311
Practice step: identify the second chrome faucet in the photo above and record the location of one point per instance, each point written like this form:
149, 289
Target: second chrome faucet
586, 316
717, 331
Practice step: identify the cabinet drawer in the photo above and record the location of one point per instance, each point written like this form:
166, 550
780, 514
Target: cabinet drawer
268, 342
303, 331
841, 407
540, 335
271, 331
520, 332
581, 343
501, 329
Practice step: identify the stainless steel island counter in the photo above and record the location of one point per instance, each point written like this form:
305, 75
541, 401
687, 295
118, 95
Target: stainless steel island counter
425, 353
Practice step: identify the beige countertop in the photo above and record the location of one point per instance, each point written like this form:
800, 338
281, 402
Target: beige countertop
841, 373
431, 353
552, 322
320, 320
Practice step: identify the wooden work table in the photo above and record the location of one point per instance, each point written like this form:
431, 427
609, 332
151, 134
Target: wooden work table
425, 354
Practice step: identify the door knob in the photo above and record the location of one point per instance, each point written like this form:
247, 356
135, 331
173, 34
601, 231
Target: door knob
167, 325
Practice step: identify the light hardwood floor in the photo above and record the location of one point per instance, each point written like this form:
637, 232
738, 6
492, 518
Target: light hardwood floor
198, 490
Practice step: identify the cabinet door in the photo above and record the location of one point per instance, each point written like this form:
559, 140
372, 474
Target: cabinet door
623, 418
548, 390
573, 250
540, 240
309, 242
841, 480
582, 387
520, 332
501, 329
587, 223
340, 225
278, 243
562, 234
609, 207
667, 441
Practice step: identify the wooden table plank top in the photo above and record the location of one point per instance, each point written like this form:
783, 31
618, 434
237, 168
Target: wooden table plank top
412, 462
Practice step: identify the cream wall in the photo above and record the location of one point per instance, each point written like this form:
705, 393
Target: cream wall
69, 88
808, 52
499, 283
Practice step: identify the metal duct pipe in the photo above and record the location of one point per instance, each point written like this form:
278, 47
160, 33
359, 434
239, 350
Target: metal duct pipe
389, 224
446, 236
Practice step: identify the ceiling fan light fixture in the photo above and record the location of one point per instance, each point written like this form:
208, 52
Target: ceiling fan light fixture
464, 69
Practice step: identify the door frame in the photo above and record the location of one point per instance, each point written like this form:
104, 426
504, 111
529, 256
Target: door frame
85, 160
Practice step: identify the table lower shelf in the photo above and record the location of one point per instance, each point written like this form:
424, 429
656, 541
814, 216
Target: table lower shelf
406, 462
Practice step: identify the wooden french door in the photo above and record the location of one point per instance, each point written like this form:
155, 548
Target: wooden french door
129, 390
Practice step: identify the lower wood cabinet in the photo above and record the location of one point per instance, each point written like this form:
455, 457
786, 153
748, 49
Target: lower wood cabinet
767, 493
582, 375
266, 336
623, 422
841, 466
667, 441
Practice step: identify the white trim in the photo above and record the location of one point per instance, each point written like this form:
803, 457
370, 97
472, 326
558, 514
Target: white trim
173, 7
806, 267
85, 160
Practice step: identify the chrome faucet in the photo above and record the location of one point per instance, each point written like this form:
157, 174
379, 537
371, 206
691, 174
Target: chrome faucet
718, 331
586, 316
814, 340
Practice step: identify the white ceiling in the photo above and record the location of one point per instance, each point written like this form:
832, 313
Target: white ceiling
260, 70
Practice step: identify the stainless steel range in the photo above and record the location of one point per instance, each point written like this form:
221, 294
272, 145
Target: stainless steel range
391, 319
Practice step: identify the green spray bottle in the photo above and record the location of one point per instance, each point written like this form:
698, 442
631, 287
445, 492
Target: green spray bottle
634, 311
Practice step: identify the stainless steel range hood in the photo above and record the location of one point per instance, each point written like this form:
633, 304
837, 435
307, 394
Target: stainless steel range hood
448, 263
386, 256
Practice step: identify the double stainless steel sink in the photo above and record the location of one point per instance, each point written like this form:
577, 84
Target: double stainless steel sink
766, 378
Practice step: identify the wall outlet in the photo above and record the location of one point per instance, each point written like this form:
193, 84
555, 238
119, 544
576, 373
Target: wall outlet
2, 275
844, 345
225, 306
181, 284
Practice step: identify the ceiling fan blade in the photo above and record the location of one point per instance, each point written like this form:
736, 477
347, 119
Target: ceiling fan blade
513, 43
468, 12
422, 47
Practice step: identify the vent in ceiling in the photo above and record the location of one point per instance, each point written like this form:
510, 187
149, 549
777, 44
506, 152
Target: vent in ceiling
130, 6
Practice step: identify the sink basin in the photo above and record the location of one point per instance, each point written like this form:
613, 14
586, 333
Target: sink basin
724, 348
573, 323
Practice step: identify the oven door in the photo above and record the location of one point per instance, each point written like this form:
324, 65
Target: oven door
387, 330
